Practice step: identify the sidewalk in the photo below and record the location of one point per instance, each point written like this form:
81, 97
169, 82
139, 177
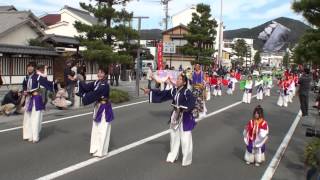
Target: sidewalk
292, 164
127, 86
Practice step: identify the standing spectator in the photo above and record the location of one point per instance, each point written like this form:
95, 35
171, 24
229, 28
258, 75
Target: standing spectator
75, 67
42, 70
304, 89
83, 70
1, 82
111, 73
69, 83
149, 76
117, 73
77, 99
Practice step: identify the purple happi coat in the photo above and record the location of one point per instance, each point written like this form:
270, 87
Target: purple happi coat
181, 98
32, 83
94, 92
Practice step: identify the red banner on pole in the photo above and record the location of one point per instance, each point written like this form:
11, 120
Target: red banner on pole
160, 51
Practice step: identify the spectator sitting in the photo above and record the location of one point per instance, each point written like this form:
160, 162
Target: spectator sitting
11, 102
60, 101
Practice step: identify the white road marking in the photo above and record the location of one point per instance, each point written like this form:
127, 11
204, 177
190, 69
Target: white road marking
70, 117
273, 165
122, 149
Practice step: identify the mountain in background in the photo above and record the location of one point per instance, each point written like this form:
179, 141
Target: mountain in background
297, 30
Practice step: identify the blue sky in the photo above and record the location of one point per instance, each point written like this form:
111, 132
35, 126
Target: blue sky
236, 13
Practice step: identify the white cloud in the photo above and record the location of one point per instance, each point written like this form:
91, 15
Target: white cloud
233, 10
282, 10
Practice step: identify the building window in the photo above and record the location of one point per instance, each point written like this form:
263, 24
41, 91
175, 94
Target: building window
179, 42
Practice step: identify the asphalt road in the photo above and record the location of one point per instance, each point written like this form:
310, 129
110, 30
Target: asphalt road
218, 144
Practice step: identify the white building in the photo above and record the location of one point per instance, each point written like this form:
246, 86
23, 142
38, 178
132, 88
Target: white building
18, 27
272, 59
228, 43
62, 23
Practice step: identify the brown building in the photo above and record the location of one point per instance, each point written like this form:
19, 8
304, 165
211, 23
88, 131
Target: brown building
176, 35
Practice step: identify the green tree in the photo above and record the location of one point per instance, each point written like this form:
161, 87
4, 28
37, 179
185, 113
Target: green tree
240, 50
308, 48
201, 35
310, 9
257, 58
109, 34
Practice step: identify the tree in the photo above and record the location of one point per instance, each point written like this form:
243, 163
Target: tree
310, 9
257, 58
109, 34
308, 47
201, 35
240, 49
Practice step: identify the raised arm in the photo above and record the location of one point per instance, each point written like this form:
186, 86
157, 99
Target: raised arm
157, 96
49, 85
92, 96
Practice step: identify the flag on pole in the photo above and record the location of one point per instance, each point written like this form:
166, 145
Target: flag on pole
275, 37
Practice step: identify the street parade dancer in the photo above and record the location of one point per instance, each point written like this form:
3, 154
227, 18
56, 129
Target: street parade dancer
231, 84
217, 91
291, 88
98, 92
208, 87
283, 96
255, 137
259, 86
34, 105
182, 120
198, 90
247, 91
267, 81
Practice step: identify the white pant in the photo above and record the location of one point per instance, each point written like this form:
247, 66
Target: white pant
290, 96
256, 156
185, 138
77, 102
32, 124
260, 95
100, 137
246, 97
204, 113
283, 101
217, 92
208, 94
267, 92
229, 91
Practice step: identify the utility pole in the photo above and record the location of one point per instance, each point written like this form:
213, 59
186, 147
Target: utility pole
220, 37
166, 9
138, 55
